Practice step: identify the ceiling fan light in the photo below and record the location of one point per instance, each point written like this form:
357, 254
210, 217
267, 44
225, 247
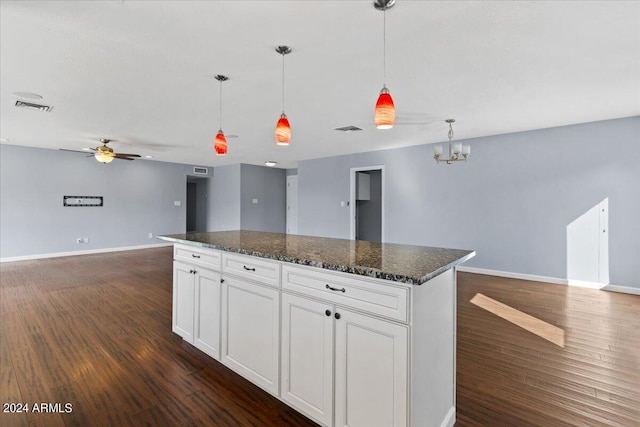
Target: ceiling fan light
385, 112
283, 130
104, 156
220, 144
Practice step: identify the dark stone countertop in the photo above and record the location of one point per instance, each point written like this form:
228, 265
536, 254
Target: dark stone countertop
400, 263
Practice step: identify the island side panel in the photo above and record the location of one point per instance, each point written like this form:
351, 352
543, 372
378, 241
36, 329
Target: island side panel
433, 370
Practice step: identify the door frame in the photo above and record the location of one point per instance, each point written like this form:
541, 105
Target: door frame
288, 216
352, 200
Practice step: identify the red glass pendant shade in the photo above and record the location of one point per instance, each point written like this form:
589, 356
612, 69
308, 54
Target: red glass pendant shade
220, 144
385, 113
283, 131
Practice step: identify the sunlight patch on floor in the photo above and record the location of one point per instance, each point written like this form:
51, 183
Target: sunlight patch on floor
536, 326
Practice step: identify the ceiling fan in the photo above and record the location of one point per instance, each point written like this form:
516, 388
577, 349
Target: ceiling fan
106, 154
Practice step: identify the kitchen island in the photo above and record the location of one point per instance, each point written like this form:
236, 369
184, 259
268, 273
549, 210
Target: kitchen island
349, 333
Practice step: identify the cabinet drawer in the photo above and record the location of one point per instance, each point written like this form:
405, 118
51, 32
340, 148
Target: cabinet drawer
264, 271
377, 298
205, 257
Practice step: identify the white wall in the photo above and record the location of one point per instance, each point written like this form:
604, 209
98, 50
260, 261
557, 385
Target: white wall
512, 202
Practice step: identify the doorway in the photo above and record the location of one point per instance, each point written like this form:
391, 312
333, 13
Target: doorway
197, 192
588, 248
367, 203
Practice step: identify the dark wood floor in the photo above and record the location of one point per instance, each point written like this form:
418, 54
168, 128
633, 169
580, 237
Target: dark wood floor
95, 331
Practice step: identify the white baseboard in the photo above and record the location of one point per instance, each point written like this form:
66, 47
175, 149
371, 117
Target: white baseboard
86, 252
554, 280
450, 419
622, 289
511, 275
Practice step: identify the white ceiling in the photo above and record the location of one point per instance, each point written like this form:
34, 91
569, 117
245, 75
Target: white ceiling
141, 72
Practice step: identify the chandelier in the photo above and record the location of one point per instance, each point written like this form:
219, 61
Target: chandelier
457, 152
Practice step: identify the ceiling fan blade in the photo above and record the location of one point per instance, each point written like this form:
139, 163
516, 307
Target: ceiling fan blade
128, 155
117, 156
73, 151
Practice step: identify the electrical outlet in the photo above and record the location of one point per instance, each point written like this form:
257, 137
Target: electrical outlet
151, 235
85, 240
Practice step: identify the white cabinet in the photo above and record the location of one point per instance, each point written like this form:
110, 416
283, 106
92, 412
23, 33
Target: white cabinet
196, 306
343, 349
371, 371
348, 290
183, 300
207, 312
371, 354
251, 331
260, 270
307, 357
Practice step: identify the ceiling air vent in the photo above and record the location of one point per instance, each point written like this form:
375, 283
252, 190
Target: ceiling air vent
33, 106
349, 128
200, 171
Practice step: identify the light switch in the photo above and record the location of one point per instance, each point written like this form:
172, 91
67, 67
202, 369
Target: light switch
177, 203
255, 201
342, 204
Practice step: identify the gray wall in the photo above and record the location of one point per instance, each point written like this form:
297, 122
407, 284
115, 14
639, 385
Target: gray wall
368, 212
269, 186
293, 171
138, 200
512, 202
224, 200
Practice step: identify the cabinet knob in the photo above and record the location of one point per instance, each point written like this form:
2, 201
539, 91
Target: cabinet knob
338, 316
328, 312
221, 280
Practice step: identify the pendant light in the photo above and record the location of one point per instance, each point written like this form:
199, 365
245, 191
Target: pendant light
220, 143
283, 129
385, 112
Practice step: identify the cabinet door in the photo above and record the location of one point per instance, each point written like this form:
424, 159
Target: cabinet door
371, 372
307, 357
250, 331
207, 312
183, 300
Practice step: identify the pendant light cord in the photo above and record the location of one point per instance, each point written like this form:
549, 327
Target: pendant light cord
220, 81
384, 47
450, 132
283, 83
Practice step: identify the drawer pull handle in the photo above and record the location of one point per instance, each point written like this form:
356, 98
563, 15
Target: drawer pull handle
195, 256
249, 269
336, 289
